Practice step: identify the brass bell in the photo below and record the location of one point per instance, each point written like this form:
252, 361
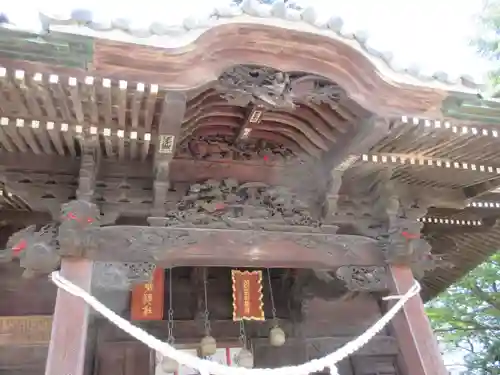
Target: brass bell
167, 364
208, 346
277, 336
244, 358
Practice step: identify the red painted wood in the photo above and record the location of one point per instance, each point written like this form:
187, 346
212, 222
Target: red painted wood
417, 343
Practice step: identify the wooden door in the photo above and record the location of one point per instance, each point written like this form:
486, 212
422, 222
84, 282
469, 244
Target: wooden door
123, 358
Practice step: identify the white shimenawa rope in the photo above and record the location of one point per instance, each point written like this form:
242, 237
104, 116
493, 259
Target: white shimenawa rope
206, 367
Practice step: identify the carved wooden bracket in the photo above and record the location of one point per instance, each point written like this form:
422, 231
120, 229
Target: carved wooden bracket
89, 168
174, 108
363, 279
346, 152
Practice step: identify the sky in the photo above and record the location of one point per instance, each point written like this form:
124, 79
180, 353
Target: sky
432, 34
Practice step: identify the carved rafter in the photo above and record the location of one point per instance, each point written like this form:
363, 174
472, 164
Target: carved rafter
481, 188
308, 129
41, 192
174, 107
89, 168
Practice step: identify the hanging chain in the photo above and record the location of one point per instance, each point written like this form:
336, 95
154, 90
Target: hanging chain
243, 336
275, 319
206, 313
170, 326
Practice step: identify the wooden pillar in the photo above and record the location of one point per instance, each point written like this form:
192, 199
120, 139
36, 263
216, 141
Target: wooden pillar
70, 326
68, 340
417, 344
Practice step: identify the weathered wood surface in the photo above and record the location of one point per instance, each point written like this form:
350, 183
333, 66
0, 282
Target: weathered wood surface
418, 346
181, 170
321, 346
22, 296
173, 247
68, 344
210, 54
25, 330
132, 357
123, 359
23, 359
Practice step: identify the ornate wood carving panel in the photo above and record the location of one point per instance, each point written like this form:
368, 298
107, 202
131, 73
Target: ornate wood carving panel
25, 330
192, 246
223, 147
268, 87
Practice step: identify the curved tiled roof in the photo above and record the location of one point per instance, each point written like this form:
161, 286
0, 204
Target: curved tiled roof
180, 33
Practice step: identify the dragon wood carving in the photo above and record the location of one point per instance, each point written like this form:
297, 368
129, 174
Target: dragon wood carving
40, 251
223, 147
76, 216
251, 205
271, 88
37, 250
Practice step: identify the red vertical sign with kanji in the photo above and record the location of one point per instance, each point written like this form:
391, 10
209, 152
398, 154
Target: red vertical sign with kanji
247, 295
147, 299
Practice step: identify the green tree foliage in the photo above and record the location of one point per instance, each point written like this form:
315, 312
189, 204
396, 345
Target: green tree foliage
488, 43
467, 316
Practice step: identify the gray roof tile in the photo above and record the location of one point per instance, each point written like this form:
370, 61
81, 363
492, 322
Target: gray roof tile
302, 18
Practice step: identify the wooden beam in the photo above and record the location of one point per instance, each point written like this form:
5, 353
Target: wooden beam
349, 147
174, 247
136, 102
474, 191
45, 163
90, 162
420, 354
174, 108
346, 151
68, 341
25, 218
179, 170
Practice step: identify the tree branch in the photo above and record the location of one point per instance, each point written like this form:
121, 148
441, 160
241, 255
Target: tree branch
485, 297
494, 329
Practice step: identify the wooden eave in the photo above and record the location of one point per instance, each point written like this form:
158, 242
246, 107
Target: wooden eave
74, 51
85, 86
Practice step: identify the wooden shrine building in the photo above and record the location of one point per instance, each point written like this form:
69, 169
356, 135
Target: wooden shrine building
149, 162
